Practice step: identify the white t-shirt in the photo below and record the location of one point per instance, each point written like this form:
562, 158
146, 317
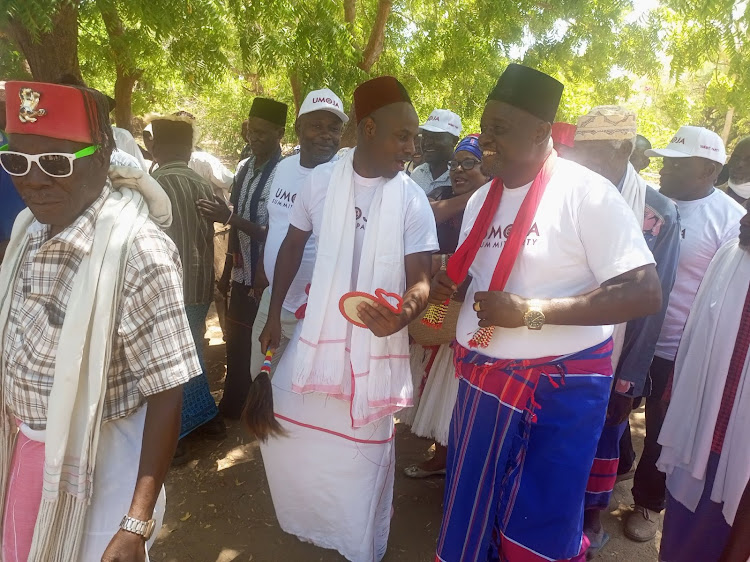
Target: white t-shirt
583, 234
420, 233
290, 175
706, 225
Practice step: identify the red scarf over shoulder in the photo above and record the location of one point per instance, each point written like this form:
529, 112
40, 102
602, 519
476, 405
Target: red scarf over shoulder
460, 262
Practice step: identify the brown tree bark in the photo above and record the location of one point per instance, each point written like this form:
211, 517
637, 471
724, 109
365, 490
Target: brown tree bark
127, 73
350, 11
296, 90
727, 125
54, 53
124, 85
349, 136
376, 42
370, 56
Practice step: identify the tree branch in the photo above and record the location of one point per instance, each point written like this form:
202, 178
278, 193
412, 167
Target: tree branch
127, 73
350, 11
375, 44
296, 90
114, 26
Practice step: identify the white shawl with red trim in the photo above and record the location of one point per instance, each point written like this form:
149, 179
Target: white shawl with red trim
333, 356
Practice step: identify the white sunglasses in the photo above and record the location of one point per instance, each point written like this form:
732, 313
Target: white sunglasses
55, 164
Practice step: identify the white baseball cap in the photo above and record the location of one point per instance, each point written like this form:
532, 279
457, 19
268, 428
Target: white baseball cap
693, 141
324, 100
443, 121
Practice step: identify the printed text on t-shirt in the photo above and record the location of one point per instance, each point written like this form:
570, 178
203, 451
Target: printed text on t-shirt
361, 220
283, 198
497, 236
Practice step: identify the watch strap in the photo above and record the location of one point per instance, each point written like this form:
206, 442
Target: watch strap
138, 527
534, 317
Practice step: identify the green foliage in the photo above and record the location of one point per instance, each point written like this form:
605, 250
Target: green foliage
683, 62
178, 48
12, 63
35, 15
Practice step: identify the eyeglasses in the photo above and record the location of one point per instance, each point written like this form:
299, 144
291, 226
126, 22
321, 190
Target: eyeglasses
55, 164
466, 165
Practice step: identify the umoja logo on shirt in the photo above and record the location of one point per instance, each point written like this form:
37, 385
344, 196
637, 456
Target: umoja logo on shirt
359, 215
283, 198
497, 232
497, 235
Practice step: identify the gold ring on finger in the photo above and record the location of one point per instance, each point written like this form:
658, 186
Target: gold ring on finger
477, 307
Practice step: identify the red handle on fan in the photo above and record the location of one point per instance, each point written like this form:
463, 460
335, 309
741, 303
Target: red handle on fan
383, 299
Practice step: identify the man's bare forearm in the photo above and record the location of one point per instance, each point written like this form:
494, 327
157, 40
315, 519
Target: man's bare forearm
418, 269
253, 230
633, 295
287, 265
449, 208
160, 434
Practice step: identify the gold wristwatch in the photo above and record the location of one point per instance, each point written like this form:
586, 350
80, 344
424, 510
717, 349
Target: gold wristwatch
534, 317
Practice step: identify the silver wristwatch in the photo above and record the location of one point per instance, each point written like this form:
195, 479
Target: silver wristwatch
143, 528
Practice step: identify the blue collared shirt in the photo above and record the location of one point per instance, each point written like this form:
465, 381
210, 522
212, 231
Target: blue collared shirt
661, 229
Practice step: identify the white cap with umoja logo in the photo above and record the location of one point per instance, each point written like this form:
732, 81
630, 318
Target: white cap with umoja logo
323, 100
693, 141
443, 121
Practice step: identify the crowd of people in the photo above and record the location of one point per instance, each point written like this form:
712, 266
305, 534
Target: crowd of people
527, 290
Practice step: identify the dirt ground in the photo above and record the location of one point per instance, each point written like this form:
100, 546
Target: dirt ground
219, 508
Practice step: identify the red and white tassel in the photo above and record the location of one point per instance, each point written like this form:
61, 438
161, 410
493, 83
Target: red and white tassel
482, 337
435, 314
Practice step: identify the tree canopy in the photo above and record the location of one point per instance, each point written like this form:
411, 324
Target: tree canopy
672, 61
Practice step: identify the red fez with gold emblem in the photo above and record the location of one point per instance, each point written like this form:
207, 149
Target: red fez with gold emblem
376, 93
49, 110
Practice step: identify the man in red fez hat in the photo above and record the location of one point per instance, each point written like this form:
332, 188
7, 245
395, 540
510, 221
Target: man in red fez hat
550, 256
96, 345
346, 371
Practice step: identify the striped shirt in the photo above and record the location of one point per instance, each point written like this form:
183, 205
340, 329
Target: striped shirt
152, 348
243, 272
192, 234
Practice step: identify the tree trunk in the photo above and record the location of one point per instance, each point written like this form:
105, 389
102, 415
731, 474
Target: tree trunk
350, 11
375, 44
370, 56
127, 73
349, 136
727, 125
296, 90
124, 85
54, 53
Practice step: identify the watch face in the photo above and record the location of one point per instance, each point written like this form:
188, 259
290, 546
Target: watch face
534, 319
